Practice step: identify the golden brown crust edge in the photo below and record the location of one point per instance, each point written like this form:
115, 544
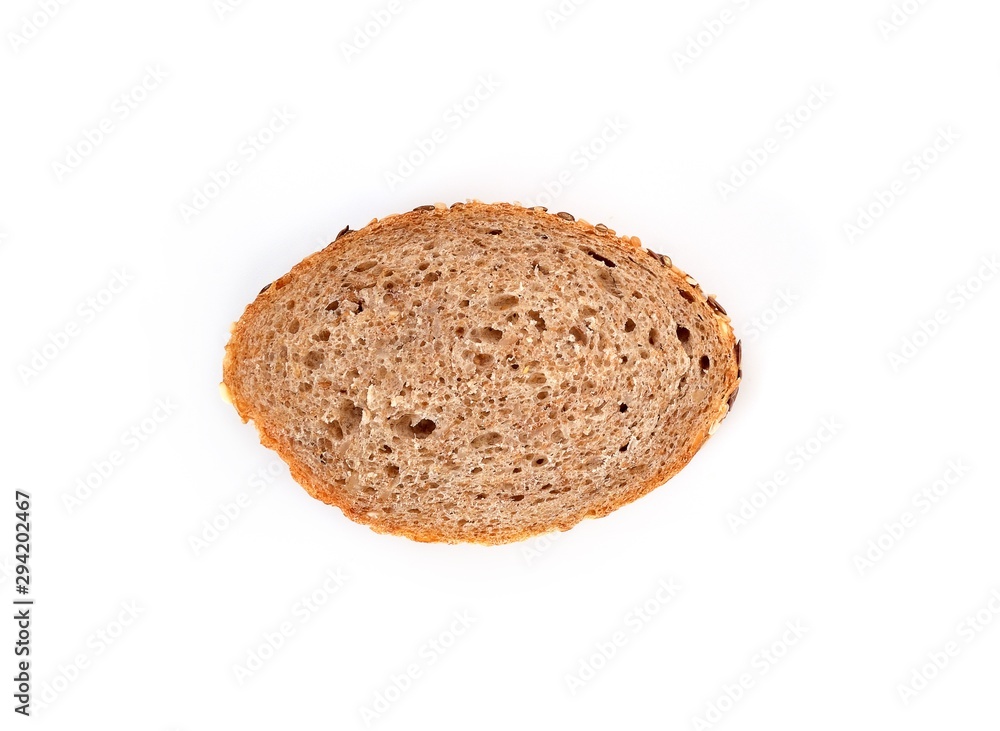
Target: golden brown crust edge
337, 497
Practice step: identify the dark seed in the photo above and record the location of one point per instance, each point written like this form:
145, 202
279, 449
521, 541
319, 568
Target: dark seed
659, 257
738, 351
566, 216
424, 208
602, 228
344, 231
266, 287
716, 306
732, 398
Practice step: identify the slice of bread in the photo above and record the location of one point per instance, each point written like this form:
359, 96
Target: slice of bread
482, 373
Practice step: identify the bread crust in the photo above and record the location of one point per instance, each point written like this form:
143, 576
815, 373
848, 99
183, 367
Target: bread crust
721, 403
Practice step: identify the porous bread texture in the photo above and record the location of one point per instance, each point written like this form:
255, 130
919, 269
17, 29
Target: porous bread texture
482, 373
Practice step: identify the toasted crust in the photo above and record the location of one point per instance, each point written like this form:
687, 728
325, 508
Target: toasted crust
271, 434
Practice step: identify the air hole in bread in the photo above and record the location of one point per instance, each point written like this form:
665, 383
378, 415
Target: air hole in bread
705, 362
350, 417
486, 334
578, 335
335, 429
629, 325
332, 307
542, 395
314, 359
517, 498
431, 277
322, 336
488, 439
688, 297
654, 336
495, 232
683, 334
536, 317
392, 471
483, 359
405, 426
503, 301
623, 408
365, 266
293, 326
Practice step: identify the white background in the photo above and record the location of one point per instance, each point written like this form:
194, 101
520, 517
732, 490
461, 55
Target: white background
833, 325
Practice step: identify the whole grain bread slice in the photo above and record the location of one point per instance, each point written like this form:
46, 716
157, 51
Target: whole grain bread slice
482, 372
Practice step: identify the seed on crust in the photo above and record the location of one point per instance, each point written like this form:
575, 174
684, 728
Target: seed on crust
716, 306
732, 397
566, 216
